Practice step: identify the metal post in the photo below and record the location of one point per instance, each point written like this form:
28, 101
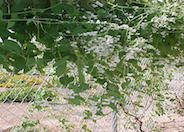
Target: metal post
114, 122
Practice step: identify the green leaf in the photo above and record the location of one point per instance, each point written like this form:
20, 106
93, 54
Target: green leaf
12, 47
160, 108
1, 2
146, 1
61, 69
30, 63
99, 112
40, 64
102, 13
1, 15
84, 87
57, 8
81, 77
126, 83
85, 128
61, 66
112, 87
101, 81
109, 74
13, 54
80, 66
19, 63
65, 49
66, 80
77, 100
1, 59
31, 50
40, 4
135, 64
20, 5
113, 106
88, 114
111, 1
113, 90
4, 33
123, 36
10, 24
78, 30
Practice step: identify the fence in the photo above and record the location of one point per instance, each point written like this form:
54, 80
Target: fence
29, 102
33, 102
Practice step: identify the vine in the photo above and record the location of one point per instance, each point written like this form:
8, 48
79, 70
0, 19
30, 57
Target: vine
115, 45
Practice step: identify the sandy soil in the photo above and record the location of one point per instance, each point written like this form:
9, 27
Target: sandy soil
12, 114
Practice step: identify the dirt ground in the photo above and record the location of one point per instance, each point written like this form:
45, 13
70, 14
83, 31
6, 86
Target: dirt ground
12, 114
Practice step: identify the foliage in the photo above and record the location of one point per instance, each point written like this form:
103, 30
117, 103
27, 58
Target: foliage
24, 88
65, 124
27, 125
27, 94
22, 80
115, 45
85, 128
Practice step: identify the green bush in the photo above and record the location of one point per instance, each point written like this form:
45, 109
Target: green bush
22, 80
27, 94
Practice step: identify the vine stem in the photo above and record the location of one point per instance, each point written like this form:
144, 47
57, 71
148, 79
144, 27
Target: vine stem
138, 120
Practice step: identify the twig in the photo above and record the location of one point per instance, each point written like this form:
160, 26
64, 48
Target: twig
137, 120
147, 106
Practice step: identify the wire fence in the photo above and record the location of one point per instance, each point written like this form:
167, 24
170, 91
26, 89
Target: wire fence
28, 102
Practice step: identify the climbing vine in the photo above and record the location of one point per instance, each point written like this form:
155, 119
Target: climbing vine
114, 45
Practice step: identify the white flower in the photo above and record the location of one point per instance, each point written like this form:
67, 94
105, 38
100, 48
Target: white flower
59, 39
93, 33
99, 4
